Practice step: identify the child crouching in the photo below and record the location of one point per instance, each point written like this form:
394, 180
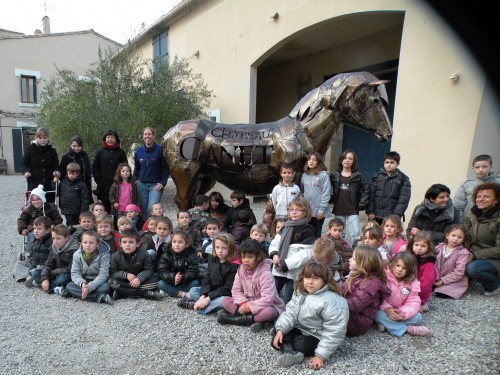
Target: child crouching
315, 320
255, 299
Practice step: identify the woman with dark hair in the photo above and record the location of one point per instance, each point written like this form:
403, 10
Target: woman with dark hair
76, 154
216, 203
106, 161
150, 171
434, 214
482, 226
350, 194
315, 184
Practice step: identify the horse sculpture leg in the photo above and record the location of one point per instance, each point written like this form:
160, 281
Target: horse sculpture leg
188, 182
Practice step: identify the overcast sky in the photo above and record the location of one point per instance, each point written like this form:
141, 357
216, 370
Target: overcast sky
118, 20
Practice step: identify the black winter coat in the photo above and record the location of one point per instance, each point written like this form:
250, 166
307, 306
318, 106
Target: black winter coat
104, 167
82, 159
74, 197
219, 279
138, 263
40, 250
233, 212
358, 190
59, 261
389, 194
41, 162
185, 262
435, 221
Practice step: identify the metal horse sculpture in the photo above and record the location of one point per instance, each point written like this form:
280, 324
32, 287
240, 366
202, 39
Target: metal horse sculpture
247, 157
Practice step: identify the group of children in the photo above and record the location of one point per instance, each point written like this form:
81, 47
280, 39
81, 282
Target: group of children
312, 291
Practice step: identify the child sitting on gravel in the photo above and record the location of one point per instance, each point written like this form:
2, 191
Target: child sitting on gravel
131, 270
40, 248
218, 281
90, 271
86, 222
55, 273
255, 300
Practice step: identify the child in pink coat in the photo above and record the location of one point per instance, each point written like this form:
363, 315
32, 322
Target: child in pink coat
451, 260
422, 247
399, 312
255, 301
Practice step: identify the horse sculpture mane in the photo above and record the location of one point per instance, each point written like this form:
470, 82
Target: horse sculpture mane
247, 157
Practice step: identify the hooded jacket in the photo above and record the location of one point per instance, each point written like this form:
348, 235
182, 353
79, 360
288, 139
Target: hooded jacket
74, 197
317, 191
323, 314
96, 272
281, 196
434, 220
59, 260
389, 194
40, 250
364, 299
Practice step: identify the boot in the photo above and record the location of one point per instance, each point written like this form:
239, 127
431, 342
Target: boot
242, 320
290, 357
259, 326
153, 294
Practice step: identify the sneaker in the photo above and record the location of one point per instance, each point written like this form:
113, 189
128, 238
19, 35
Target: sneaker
259, 326
29, 282
153, 294
287, 360
424, 308
417, 330
380, 327
57, 290
64, 293
495, 293
106, 299
186, 304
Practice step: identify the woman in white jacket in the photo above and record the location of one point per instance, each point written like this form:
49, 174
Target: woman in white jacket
315, 320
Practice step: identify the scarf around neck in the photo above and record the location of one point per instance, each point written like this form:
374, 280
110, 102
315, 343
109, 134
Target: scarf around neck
286, 236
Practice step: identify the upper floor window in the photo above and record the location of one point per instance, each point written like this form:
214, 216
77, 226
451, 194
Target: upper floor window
28, 89
160, 47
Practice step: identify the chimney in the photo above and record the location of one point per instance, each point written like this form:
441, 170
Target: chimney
38, 32
46, 25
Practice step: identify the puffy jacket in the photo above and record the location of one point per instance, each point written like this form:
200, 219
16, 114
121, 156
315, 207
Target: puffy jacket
404, 297
427, 275
233, 213
451, 271
281, 196
74, 197
317, 190
483, 234
364, 299
323, 314
40, 250
138, 263
185, 262
30, 213
258, 289
41, 162
358, 190
389, 194
219, 279
114, 195
82, 159
96, 272
59, 260
435, 221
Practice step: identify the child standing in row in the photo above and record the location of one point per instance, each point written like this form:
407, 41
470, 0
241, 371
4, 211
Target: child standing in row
285, 191
315, 320
451, 260
399, 313
254, 300
131, 270
178, 266
422, 247
291, 248
89, 271
74, 195
364, 289
218, 281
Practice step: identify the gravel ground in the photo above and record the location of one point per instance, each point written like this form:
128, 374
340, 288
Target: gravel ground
45, 334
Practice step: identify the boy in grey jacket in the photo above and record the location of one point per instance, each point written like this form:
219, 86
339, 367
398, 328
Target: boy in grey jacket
482, 165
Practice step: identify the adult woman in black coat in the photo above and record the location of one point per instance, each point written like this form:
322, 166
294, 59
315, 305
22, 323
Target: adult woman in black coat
106, 161
434, 214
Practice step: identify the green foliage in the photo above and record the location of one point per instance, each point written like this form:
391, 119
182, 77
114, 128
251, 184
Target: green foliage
124, 93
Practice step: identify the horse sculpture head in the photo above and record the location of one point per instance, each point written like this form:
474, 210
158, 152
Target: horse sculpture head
358, 99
